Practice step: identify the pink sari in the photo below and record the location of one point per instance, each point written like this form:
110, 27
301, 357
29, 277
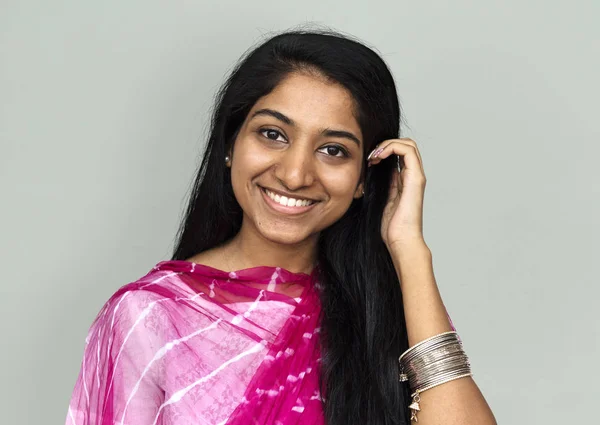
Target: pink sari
190, 344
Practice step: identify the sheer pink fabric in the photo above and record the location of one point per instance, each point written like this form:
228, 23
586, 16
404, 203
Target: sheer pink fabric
189, 344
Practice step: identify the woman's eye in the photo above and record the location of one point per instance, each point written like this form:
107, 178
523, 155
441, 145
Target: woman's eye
334, 150
271, 134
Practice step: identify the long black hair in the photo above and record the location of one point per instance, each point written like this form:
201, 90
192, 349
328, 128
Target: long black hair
363, 330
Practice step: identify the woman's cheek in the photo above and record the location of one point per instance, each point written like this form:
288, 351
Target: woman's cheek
340, 183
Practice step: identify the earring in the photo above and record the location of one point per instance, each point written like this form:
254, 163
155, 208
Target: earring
227, 159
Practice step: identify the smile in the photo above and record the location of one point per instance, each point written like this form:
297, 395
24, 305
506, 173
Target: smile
286, 204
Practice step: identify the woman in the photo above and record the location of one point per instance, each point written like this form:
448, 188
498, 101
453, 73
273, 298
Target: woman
300, 274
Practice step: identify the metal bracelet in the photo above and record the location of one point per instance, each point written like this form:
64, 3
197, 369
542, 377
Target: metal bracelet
433, 362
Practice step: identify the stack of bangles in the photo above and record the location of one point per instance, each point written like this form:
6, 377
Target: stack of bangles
433, 362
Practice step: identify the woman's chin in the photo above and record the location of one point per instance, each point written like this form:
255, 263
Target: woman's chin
287, 236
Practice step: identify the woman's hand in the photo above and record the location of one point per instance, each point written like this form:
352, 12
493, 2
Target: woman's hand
402, 221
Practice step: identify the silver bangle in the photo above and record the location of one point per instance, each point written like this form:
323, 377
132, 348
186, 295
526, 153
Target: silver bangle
432, 362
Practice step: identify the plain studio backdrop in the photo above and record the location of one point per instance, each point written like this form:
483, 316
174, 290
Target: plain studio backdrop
103, 115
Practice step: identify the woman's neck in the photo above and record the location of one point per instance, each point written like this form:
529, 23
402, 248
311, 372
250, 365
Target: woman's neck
250, 249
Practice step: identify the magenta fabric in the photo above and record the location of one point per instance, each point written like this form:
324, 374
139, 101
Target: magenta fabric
190, 344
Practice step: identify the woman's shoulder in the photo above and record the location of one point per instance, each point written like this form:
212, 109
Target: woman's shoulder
148, 301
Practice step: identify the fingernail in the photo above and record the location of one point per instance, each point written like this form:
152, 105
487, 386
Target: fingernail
371, 154
377, 152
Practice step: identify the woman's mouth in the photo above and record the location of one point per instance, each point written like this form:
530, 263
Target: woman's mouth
286, 204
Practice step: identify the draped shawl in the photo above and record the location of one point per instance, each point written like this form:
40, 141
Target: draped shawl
190, 344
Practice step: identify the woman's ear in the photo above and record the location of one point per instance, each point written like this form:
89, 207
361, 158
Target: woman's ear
360, 190
230, 146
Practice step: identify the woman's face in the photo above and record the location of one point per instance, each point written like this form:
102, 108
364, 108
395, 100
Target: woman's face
296, 162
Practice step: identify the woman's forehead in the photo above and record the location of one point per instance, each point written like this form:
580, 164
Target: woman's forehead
310, 101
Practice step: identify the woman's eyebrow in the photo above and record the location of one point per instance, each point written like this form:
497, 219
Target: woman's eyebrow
275, 114
341, 133
287, 120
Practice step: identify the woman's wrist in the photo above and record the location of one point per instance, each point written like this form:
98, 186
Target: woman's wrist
410, 252
408, 244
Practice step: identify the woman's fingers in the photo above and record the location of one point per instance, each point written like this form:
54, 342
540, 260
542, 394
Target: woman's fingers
405, 148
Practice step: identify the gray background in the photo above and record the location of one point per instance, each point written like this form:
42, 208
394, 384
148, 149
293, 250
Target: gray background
103, 112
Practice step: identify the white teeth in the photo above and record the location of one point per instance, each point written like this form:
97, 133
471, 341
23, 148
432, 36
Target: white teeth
289, 202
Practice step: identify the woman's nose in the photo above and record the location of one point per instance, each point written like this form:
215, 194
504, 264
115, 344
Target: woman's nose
295, 168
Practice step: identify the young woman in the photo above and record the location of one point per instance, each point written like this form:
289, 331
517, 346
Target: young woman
300, 275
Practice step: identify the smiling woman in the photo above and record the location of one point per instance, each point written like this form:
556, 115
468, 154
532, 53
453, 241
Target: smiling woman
300, 142
301, 289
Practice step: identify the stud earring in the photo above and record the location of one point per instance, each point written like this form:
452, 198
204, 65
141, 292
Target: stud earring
227, 159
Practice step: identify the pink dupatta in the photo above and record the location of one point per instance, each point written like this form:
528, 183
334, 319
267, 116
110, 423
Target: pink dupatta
190, 344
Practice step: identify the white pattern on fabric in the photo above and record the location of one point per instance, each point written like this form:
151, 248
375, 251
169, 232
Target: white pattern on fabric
179, 394
159, 354
144, 313
238, 319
